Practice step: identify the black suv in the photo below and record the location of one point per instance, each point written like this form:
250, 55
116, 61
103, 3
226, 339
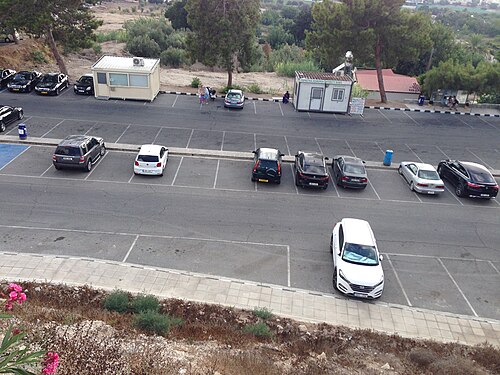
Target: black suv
78, 151
267, 166
311, 170
84, 85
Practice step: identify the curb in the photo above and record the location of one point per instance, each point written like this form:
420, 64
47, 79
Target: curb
215, 154
366, 106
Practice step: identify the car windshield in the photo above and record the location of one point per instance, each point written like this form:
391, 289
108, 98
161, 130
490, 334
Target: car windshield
266, 164
86, 80
49, 79
360, 254
482, 177
233, 95
356, 169
428, 175
22, 76
148, 158
68, 151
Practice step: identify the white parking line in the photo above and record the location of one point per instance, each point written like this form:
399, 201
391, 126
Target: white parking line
414, 153
319, 147
288, 148
293, 178
375, 191
470, 126
308, 114
281, 109
222, 143
334, 186
350, 148
384, 116
444, 153
24, 119
175, 101
216, 173
14, 158
288, 265
94, 166
55, 126
489, 166
130, 248
254, 107
380, 148
494, 267
453, 194
456, 285
130, 179
487, 123
254, 141
157, 134
189, 140
177, 171
92, 127
48, 169
411, 118
398, 280
121, 135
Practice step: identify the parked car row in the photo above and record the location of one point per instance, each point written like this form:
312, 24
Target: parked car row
43, 84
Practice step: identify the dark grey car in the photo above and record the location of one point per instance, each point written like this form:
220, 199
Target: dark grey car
349, 171
78, 151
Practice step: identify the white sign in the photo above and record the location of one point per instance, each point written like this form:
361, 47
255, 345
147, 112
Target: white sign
357, 106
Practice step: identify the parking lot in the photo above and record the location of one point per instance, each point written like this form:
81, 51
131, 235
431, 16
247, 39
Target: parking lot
416, 277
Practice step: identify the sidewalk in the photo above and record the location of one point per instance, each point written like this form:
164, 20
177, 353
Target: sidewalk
298, 304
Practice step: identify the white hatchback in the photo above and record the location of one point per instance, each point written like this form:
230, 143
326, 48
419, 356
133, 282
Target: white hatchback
151, 160
357, 270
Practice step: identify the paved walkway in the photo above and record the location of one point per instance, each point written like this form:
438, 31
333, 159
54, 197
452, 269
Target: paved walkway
294, 303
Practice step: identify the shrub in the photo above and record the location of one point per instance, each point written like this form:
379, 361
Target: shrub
255, 88
38, 57
118, 35
174, 57
116, 301
143, 303
143, 46
153, 322
262, 313
227, 88
195, 82
455, 366
422, 357
358, 91
259, 329
97, 48
148, 30
288, 69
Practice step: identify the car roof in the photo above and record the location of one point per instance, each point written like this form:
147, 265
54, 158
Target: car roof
267, 153
150, 149
235, 91
312, 156
422, 166
88, 75
358, 231
350, 159
474, 167
5, 106
74, 140
52, 74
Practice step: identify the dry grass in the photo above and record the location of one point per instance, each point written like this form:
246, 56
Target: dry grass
211, 340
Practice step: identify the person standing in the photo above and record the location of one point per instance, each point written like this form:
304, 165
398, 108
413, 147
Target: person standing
206, 94
201, 94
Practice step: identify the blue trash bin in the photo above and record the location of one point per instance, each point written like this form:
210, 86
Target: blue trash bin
388, 157
421, 100
23, 131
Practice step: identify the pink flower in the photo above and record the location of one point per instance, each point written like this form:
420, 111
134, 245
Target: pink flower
8, 306
21, 298
15, 287
13, 295
50, 363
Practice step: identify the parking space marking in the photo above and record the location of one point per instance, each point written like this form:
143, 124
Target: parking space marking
469, 125
444, 153
453, 194
254, 108
48, 169
319, 147
175, 101
216, 173
494, 267
489, 166
387, 118
380, 148
309, 115
398, 280
87, 132
281, 109
487, 123
435, 257
121, 135
414, 153
456, 285
189, 140
130, 248
15, 127
411, 118
350, 148
286, 143
406, 183
293, 178
254, 141
95, 166
55, 126
177, 171
375, 191
157, 134
334, 186
222, 142
288, 265
14, 158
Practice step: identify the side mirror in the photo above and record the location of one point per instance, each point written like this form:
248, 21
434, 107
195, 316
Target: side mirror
282, 154
381, 257
254, 152
326, 158
364, 162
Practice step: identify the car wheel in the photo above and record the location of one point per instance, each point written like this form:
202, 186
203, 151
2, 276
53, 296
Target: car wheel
459, 190
411, 186
89, 165
58, 90
20, 115
297, 181
57, 167
278, 182
334, 278
253, 179
2, 127
331, 244
400, 171
103, 151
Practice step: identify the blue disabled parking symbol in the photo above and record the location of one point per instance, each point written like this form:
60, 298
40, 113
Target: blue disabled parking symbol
9, 152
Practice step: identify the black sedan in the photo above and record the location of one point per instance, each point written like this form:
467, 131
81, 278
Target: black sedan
311, 170
6, 76
349, 171
84, 85
24, 81
52, 84
469, 179
9, 114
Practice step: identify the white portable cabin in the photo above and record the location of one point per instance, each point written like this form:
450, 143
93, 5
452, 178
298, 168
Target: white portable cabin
117, 77
322, 92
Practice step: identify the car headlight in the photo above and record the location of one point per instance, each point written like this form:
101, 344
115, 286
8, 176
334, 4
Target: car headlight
380, 282
88, 88
343, 277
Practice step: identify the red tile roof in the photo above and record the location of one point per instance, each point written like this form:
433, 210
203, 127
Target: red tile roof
323, 76
393, 82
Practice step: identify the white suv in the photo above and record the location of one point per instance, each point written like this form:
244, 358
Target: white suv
356, 261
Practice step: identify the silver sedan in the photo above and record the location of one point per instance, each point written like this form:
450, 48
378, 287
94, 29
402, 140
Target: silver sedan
421, 177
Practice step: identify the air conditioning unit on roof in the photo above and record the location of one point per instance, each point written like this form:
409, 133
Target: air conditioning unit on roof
138, 61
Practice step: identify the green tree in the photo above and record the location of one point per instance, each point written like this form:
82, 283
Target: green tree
301, 23
278, 36
223, 32
68, 22
147, 37
376, 30
177, 14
